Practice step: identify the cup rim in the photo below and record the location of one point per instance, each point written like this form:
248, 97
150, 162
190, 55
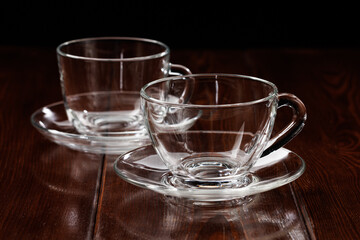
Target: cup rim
273, 93
163, 53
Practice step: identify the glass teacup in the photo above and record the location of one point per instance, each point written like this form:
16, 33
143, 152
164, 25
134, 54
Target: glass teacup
210, 129
101, 79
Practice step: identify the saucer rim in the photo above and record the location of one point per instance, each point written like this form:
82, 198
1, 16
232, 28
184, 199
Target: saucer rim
256, 188
66, 134
61, 137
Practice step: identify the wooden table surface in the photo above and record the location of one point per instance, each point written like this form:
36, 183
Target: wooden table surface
51, 192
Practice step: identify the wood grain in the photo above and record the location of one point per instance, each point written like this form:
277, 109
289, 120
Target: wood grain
327, 82
47, 191
51, 192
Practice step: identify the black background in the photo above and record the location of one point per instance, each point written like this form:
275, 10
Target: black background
183, 24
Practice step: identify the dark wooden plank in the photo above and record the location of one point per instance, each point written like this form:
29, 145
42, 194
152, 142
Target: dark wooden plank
328, 82
43, 185
47, 191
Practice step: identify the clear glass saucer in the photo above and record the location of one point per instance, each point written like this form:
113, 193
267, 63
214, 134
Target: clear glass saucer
52, 122
144, 168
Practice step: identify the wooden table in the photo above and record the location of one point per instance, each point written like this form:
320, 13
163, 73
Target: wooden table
51, 192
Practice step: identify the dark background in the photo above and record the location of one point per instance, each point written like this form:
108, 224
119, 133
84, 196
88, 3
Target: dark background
183, 24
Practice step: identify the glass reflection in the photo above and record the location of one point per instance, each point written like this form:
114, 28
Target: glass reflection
147, 215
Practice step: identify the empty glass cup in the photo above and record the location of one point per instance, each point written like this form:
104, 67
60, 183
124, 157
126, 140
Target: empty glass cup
209, 129
101, 79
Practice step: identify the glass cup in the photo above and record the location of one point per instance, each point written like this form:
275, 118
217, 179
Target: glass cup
101, 79
209, 129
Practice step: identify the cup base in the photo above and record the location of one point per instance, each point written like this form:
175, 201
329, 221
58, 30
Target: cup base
106, 113
208, 167
108, 123
238, 181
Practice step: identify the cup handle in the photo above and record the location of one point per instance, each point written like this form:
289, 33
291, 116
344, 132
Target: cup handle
181, 70
293, 128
